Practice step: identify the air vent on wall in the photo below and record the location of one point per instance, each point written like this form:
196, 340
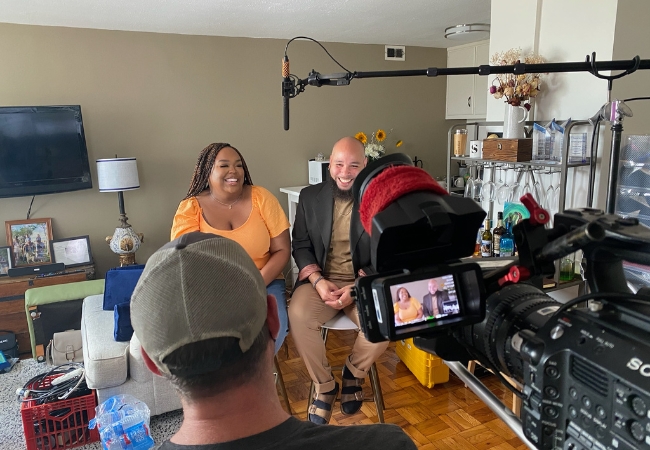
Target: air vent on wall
395, 53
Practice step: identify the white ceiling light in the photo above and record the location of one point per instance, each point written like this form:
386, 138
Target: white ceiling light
468, 32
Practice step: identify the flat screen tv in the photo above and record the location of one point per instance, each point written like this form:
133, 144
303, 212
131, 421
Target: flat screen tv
42, 150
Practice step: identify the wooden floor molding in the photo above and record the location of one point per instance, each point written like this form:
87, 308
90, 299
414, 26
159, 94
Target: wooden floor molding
445, 417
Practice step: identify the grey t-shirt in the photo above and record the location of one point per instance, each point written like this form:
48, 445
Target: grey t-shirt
295, 434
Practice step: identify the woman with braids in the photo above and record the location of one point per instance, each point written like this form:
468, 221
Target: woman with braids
222, 200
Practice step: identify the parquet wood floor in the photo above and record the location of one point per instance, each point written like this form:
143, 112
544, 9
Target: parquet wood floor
445, 417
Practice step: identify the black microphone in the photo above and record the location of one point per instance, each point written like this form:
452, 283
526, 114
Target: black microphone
286, 90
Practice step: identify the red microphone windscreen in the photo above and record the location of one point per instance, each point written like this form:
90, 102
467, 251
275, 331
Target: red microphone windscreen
390, 185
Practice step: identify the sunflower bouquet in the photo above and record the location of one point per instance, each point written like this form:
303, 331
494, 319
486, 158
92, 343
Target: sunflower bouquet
375, 147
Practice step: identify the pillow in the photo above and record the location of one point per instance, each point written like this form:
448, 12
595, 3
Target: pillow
119, 285
123, 329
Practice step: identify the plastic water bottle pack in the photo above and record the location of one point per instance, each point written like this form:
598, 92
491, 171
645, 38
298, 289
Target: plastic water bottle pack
123, 424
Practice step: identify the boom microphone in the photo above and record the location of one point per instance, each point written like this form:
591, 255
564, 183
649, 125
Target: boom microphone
286, 90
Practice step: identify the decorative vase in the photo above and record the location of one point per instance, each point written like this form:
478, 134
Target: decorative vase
513, 122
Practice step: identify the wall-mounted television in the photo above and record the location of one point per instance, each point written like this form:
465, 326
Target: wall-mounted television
42, 150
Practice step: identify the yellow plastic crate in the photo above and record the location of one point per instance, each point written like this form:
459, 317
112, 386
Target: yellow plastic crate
427, 368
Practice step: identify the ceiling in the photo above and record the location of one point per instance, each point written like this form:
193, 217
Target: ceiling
399, 22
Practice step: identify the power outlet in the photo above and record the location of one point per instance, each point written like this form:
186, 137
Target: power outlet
395, 53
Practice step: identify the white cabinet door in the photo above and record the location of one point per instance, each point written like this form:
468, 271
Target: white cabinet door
481, 83
460, 88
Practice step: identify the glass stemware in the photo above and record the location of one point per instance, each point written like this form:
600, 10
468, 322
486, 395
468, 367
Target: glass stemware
550, 193
518, 187
478, 187
538, 191
469, 188
489, 191
504, 192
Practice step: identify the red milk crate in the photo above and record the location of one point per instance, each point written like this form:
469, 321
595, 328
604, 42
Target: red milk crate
58, 425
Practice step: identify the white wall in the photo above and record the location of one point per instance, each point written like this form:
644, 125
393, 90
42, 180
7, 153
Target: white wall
560, 31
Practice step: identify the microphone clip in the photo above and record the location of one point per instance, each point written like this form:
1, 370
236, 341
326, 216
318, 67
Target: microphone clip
336, 79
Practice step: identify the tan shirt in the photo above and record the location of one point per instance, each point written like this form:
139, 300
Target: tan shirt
338, 266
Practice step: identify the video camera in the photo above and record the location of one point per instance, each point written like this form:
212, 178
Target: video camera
584, 365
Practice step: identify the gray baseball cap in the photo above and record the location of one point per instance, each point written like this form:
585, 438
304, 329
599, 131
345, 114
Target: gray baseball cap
197, 287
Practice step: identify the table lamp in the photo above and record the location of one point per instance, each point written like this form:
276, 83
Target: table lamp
119, 175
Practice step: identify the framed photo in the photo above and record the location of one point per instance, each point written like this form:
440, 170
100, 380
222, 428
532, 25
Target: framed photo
30, 240
5, 261
74, 251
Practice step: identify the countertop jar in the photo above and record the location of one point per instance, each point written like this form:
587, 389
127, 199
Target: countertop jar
460, 142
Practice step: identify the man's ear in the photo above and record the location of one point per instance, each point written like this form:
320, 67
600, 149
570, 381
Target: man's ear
272, 319
149, 363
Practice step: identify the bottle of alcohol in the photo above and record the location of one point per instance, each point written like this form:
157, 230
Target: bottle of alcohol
497, 233
486, 241
507, 242
477, 247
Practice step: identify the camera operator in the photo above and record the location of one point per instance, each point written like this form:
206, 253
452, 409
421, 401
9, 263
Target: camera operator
205, 322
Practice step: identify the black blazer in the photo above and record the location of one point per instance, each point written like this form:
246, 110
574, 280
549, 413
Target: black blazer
312, 231
427, 302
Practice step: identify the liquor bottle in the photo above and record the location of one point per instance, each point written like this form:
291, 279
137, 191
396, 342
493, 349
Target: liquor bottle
497, 233
486, 241
477, 247
507, 242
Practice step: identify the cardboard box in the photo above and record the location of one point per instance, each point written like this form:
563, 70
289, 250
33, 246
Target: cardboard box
511, 150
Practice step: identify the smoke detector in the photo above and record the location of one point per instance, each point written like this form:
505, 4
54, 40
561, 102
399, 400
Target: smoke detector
395, 53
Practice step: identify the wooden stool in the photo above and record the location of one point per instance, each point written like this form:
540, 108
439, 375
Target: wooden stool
342, 322
516, 401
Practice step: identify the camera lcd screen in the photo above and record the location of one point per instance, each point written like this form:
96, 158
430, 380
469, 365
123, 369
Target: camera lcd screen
422, 303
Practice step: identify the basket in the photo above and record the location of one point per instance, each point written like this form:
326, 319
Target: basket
427, 368
58, 425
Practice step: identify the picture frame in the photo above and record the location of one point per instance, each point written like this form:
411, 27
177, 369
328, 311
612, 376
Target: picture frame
30, 240
72, 251
5, 261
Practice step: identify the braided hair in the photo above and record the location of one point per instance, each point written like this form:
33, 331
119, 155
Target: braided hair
204, 166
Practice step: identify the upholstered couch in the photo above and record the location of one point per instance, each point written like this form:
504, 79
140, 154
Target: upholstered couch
114, 368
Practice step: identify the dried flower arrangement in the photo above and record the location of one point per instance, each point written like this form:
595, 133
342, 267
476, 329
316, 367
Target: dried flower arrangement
517, 89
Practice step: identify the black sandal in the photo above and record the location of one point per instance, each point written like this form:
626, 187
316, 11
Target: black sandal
320, 411
351, 393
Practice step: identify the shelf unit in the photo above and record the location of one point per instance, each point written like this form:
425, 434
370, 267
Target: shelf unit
564, 165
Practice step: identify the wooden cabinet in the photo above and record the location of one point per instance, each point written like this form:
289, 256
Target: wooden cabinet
12, 300
467, 94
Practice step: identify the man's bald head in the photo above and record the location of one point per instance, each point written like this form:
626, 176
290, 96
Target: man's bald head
347, 160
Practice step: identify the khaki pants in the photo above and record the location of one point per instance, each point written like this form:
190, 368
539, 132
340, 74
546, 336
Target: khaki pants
307, 313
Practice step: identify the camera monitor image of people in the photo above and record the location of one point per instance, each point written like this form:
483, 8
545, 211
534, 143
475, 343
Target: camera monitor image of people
413, 304
424, 300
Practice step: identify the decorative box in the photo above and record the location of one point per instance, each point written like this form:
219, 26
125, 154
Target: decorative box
513, 150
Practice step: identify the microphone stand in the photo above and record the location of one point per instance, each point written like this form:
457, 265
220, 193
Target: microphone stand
612, 111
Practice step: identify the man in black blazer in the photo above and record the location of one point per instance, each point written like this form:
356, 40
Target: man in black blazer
331, 248
432, 303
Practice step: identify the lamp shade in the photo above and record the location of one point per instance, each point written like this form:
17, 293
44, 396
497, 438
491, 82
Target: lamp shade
117, 174
468, 32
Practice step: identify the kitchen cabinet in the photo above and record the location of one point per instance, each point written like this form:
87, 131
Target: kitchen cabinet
467, 94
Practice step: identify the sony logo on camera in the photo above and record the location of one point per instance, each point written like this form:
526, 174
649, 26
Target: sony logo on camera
637, 364
4, 341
